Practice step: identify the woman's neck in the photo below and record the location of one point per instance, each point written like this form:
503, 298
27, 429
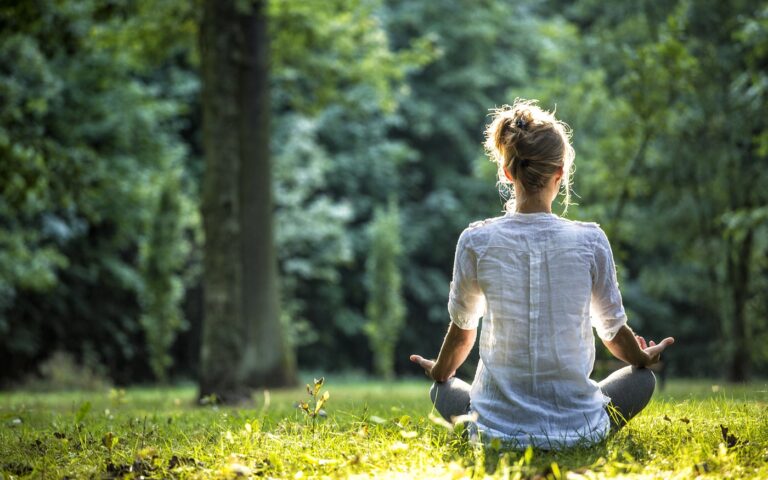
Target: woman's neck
532, 205
537, 202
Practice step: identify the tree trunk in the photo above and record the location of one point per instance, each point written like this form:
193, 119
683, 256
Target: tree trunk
267, 360
243, 346
221, 346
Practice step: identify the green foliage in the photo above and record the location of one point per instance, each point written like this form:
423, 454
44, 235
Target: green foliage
100, 240
163, 258
372, 430
310, 224
336, 83
385, 309
86, 145
331, 52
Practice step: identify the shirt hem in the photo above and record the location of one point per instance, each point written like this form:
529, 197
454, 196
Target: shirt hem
545, 441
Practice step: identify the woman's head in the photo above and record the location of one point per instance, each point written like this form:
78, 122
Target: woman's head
531, 148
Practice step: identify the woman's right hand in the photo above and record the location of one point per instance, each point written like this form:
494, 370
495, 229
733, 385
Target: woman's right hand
430, 370
652, 349
427, 365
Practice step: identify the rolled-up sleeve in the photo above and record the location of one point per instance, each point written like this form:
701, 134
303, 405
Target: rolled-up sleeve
606, 308
466, 301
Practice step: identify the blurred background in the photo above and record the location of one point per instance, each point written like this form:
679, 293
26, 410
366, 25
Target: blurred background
377, 116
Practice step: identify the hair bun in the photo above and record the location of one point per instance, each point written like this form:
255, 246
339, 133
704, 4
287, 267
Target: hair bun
530, 146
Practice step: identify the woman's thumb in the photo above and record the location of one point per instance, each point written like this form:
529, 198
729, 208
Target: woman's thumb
659, 347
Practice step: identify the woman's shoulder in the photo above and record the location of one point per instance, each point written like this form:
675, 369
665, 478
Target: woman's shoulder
482, 223
591, 231
477, 232
580, 224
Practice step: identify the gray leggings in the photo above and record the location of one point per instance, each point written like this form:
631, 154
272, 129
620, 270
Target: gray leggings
629, 388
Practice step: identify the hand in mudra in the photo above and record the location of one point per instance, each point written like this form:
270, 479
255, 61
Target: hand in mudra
653, 349
427, 365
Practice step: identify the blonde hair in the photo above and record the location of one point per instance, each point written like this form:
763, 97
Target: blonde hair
532, 145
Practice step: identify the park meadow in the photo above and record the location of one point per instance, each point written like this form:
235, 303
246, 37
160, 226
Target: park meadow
691, 429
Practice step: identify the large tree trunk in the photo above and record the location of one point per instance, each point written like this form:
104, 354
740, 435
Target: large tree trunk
243, 346
267, 360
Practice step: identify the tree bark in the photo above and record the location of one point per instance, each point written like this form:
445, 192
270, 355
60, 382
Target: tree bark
243, 347
221, 345
267, 360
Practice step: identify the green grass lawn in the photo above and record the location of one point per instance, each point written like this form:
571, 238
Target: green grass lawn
372, 430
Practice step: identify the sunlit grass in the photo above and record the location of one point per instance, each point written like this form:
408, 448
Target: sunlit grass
372, 430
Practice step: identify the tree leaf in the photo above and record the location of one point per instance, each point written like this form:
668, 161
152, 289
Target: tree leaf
318, 385
321, 401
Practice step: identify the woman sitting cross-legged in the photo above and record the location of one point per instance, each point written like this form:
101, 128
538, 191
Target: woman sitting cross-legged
541, 283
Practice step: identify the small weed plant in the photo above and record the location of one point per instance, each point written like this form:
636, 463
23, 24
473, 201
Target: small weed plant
313, 407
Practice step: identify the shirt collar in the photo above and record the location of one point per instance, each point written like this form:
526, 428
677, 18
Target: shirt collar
530, 216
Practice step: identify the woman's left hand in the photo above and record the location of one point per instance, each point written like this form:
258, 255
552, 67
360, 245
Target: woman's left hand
652, 349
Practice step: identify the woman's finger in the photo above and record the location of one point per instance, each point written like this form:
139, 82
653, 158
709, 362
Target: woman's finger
664, 344
655, 350
423, 362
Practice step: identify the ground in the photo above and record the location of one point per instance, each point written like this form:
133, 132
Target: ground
371, 430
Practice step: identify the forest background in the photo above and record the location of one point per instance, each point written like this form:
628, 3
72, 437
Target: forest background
378, 109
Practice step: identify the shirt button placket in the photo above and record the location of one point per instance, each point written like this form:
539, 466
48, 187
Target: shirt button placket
534, 267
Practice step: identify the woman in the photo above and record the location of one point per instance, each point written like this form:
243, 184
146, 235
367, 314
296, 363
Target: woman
541, 283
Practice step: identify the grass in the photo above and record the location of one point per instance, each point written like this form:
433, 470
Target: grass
372, 430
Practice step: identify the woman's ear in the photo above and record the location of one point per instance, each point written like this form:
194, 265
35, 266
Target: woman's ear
508, 175
559, 175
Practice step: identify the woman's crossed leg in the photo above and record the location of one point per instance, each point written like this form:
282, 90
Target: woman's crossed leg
629, 388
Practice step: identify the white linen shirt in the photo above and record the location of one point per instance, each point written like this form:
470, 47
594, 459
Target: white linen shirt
535, 278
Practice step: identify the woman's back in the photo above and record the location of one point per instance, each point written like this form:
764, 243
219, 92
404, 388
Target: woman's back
540, 283
536, 275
